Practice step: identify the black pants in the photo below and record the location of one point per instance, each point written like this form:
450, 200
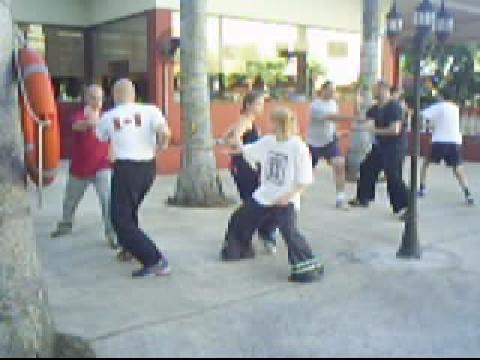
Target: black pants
245, 221
388, 158
247, 181
131, 181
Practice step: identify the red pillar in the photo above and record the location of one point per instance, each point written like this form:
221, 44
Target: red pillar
159, 31
391, 64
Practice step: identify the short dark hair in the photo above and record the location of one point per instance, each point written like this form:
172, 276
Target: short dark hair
384, 85
251, 98
327, 84
448, 94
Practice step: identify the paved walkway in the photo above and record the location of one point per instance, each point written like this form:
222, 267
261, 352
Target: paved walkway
369, 304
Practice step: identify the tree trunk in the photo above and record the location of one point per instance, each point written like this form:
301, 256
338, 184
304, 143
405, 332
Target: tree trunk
361, 138
25, 326
198, 184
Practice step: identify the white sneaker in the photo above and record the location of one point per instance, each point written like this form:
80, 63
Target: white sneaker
270, 248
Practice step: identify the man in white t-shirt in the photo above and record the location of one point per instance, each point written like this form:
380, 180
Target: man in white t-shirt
322, 136
132, 130
444, 119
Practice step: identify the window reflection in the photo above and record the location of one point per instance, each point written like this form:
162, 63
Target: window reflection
121, 50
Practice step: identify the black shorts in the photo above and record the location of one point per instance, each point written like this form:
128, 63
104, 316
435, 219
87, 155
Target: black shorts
327, 152
448, 152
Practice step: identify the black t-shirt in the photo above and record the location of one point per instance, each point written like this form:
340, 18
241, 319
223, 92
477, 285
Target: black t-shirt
386, 115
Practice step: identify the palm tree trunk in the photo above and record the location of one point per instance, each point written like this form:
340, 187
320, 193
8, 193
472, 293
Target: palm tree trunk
198, 184
25, 325
361, 140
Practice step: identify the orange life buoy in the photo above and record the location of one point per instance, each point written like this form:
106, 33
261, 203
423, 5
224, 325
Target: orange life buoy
41, 103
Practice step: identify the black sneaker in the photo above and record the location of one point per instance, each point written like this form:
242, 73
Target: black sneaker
309, 276
61, 230
161, 269
357, 203
269, 242
470, 200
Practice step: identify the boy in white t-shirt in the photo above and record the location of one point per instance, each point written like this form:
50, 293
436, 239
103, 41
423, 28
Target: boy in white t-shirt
286, 171
444, 119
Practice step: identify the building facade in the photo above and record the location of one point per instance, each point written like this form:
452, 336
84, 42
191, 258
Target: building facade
86, 41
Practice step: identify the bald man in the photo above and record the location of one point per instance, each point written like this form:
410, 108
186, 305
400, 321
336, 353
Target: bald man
90, 165
133, 130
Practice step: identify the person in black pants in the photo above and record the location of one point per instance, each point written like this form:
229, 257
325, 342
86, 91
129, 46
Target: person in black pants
133, 130
245, 175
286, 172
387, 154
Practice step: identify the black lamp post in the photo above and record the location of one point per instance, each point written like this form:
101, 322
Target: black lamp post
426, 21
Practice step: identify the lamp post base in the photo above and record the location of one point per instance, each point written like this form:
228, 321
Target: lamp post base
410, 247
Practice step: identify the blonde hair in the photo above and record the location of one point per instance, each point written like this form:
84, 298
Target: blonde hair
286, 123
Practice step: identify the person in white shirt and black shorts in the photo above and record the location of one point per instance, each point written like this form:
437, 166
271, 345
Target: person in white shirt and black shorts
447, 139
133, 131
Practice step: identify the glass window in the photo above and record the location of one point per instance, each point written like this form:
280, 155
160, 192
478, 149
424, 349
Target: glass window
246, 41
337, 52
121, 50
213, 50
63, 49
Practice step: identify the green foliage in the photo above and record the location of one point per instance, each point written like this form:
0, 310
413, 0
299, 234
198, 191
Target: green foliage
271, 72
455, 68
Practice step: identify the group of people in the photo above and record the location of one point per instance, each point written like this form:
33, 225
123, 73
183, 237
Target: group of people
115, 151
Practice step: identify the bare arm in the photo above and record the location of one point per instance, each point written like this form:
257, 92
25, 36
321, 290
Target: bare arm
90, 122
340, 117
83, 125
234, 134
164, 136
393, 130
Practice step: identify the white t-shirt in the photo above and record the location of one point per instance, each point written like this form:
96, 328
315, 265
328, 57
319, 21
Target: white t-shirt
321, 131
284, 165
445, 119
132, 130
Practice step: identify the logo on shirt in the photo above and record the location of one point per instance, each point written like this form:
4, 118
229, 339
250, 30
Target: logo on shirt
276, 170
138, 120
117, 124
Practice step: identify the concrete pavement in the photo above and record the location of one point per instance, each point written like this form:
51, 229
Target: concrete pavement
369, 303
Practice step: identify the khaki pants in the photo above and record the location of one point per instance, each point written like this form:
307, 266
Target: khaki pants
75, 191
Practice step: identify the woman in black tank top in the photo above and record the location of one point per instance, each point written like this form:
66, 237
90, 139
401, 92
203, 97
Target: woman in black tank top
246, 175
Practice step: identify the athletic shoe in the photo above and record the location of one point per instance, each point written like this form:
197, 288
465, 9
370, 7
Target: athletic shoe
112, 242
62, 230
269, 242
124, 256
270, 247
342, 205
307, 272
403, 215
161, 269
470, 200
357, 203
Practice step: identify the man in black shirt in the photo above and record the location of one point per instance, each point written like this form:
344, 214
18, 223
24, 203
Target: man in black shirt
386, 154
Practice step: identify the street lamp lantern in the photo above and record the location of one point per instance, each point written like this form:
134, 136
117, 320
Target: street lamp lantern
394, 22
424, 17
444, 24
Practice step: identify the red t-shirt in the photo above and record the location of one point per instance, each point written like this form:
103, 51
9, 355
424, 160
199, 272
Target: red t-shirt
89, 155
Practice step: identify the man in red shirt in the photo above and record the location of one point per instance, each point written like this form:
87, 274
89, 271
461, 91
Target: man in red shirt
90, 165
